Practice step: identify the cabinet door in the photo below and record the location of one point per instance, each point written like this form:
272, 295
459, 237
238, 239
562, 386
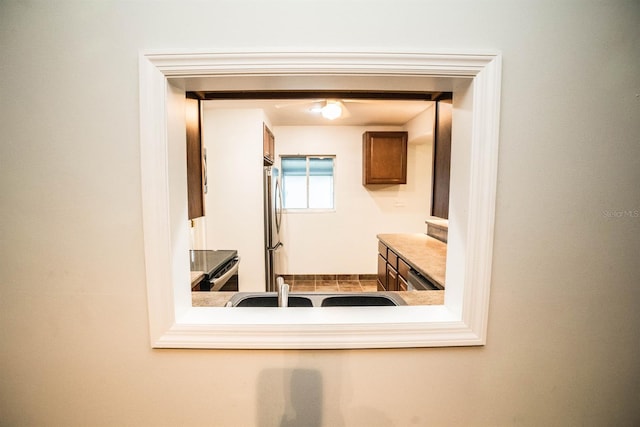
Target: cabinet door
268, 145
384, 158
402, 284
195, 168
392, 278
441, 160
403, 269
382, 273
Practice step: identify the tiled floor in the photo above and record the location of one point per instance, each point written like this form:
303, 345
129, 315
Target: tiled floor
332, 282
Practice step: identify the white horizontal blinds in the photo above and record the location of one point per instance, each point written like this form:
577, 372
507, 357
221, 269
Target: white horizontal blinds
320, 182
307, 182
294, 182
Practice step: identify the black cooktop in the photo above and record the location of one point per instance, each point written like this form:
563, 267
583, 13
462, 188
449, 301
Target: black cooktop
210, 261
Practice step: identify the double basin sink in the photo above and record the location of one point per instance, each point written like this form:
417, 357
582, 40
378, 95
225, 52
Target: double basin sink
360, 299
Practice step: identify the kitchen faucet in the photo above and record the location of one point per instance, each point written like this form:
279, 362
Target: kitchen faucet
283, 292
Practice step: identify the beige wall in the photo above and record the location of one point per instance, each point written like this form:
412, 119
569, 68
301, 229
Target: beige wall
344, 241
563, 338
234, 216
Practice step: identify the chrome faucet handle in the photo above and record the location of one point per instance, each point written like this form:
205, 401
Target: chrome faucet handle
283, 293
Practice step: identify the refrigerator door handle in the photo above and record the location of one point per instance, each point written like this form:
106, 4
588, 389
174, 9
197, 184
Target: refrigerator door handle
276, 247
278, 206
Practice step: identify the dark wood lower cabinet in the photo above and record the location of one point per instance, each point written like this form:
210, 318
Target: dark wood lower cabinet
392, 278
393, 271
382, 273
403, 285
403, 274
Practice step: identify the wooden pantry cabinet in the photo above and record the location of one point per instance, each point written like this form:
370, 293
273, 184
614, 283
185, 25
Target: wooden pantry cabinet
384, 157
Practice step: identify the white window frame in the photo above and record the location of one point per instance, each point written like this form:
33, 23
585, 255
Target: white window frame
307, 157
461, 321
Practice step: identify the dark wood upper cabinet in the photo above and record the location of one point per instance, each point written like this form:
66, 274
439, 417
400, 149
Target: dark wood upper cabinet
441, 159
268, 145
195, 160
384, 158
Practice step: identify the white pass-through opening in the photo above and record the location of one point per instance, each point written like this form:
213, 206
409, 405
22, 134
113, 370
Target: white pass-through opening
473, 77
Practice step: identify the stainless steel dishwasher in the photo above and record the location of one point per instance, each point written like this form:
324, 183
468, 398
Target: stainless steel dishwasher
417, 282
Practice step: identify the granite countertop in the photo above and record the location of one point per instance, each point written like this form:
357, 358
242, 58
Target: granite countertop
424, 253
422, 297
196, 277
210, 299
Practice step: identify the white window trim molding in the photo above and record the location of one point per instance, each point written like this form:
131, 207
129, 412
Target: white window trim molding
174, 323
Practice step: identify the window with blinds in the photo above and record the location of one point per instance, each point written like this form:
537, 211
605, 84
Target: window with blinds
307, 182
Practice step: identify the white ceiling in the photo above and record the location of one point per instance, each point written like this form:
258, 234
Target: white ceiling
297, 112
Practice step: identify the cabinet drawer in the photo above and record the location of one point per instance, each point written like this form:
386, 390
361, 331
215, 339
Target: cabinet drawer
392, 259
382, 249
403, 269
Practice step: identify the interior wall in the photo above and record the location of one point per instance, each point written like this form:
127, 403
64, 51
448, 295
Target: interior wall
234, 201
343, 241
562, 346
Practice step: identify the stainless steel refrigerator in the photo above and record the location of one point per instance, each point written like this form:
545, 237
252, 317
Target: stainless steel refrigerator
272, 223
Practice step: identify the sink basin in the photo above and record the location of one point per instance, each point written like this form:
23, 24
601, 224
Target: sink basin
270, 301
356, 299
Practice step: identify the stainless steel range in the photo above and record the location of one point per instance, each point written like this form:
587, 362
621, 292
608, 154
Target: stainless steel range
220, 269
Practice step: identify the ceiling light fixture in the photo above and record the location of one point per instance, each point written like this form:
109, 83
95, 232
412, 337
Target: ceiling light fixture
332, 110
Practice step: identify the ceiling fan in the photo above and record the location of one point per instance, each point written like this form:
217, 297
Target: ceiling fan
329, 108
